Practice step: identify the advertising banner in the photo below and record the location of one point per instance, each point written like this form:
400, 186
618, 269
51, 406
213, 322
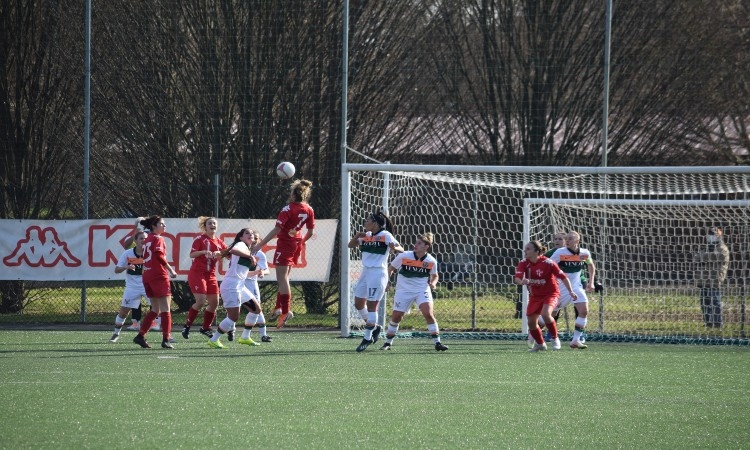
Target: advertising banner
66, 250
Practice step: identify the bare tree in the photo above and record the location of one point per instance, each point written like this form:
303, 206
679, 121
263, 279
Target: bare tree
220, 88
658, 82
516, 80
719, 133
524, 80
389, 96
41, 117
41, 114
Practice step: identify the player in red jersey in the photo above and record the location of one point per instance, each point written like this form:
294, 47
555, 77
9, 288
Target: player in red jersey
156, 273
538, 273
206, 251
289, 243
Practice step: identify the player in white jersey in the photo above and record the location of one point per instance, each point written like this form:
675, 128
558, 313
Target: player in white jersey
233, 289
417, 277
376, 244
254, 317
136, 313
558, 241
131, 261
572, 259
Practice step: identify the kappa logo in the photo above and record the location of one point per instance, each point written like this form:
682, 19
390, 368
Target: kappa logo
41, 247
539, 273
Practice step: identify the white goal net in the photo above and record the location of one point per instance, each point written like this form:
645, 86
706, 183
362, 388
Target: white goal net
645, 228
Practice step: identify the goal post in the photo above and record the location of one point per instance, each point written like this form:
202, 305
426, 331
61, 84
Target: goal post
482, 215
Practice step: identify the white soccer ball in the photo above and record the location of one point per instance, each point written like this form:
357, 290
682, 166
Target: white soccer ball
285, 170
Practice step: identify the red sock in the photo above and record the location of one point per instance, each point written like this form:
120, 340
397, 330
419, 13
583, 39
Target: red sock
191, 315
536, 333
208, 319
552, 328
166, 324
288, 300
147, 322
285, 301
278, 302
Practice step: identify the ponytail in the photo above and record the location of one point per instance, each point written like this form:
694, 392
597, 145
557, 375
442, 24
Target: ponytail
538, 247
149, 222
383, 221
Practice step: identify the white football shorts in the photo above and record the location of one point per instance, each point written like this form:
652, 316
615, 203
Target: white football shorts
131, 298
402, 300
371, 284
566, 299
234, 296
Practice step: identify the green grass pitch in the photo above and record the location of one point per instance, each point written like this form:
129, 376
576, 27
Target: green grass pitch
74, 389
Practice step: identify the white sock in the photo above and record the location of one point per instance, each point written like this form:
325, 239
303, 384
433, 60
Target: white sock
261, 323
363, 313
225, 326
580, 326
118, 324
434, 331
251, 319
391, 333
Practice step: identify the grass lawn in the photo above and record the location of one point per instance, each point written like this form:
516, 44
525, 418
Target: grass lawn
622, 312
74, 389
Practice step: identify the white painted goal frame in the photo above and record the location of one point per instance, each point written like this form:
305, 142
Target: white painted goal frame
458, 199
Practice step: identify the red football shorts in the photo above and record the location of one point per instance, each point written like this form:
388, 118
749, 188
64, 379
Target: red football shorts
287, 253
158, 287
536, 303
202, 284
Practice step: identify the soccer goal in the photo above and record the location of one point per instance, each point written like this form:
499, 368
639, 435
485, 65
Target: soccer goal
643, 226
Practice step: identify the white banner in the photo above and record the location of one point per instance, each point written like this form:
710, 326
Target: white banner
49, 250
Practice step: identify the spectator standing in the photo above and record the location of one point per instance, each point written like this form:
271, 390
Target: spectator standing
712, 265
